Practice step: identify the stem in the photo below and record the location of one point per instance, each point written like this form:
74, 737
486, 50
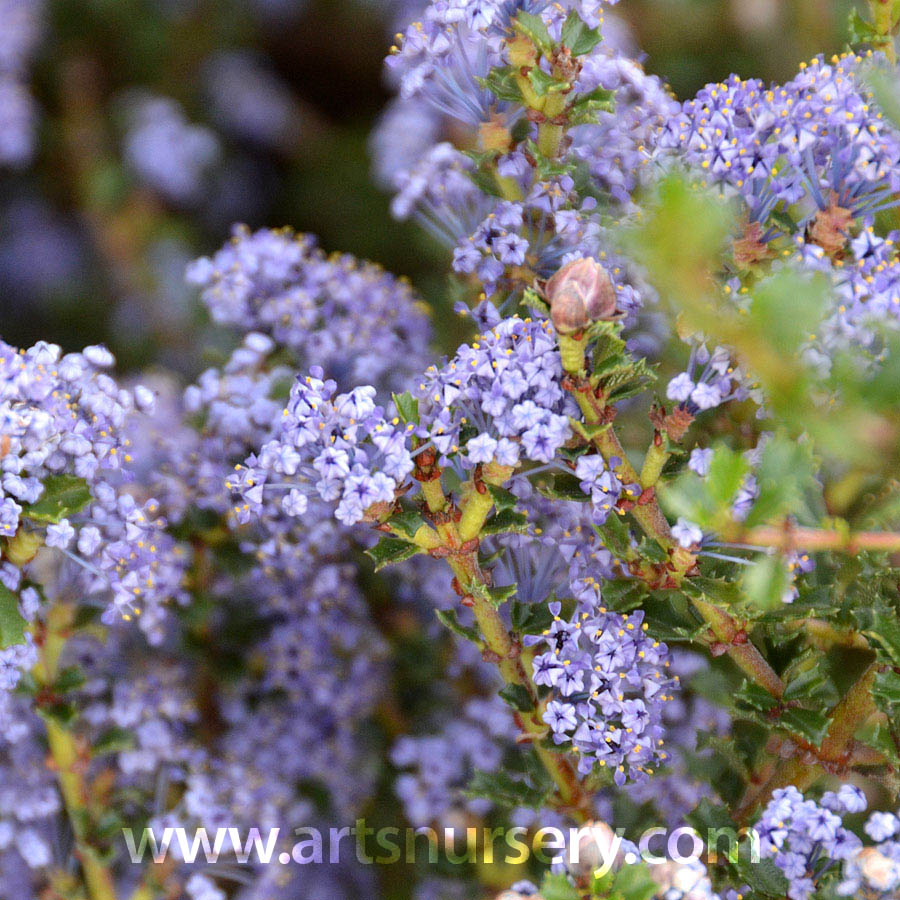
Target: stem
789, 538
883, 16
739, 648
847, 717
66, 757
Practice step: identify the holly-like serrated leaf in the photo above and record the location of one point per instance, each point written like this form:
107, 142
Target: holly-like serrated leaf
391, 550
407, 407
12, 625
765, 582
501, 82
503, 499
578, 36
507, 520
449, 619
883, 627
113, 740
499, 595
64, 495
764, 877
886, 689
407, 522
517, 696
533, 27
544, 83
755, 697
500, 788
530, 618
807, 723
557, 887
564, 486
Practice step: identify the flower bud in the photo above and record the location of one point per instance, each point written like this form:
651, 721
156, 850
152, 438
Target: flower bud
581, 292
879, 871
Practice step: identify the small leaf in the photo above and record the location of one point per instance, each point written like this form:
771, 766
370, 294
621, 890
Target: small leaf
533, 27
112, 740
391, 550
407, 522
501, 82
756, 697
69, 679
557, 887
499, 595
63, 496
726, 473
517, 696
503, 499
564, 486
766, 582
448, 618
506, 520
807, 723
12, 625
407, 407
578, 36
500, 788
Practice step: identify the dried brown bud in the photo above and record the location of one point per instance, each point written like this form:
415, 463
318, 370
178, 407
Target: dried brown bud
581, 292
831, 228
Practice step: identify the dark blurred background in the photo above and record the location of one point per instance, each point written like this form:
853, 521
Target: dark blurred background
158, 123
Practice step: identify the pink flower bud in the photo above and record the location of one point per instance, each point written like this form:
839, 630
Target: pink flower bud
581, 292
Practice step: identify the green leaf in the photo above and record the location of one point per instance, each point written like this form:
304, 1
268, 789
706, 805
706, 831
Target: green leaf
69, 679
727, 470
756, 697
766, 581
407, 407
504, 790
63, 496
533, 27
503, 499
807, 723
543, 83
557, 887
578, 36
63, 714
501, 82
448, 618
886, 689
499, 595
884, 629
112, 740
530, 618
391, 550
408, 522
861, 31
517, 696
12, 625
634, 883
785, 472
764, 877
807, 684
505, 521
564, 486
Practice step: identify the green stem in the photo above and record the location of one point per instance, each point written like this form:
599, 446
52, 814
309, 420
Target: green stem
884, 14
853, 710
66, 758
739, 648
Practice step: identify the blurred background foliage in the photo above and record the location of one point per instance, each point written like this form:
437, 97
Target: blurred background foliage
89, 250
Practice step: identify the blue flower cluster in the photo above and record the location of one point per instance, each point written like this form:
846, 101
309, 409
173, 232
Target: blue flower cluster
359, 323
22, 24
64, 416
338, 445
604, 486
499, 399
609, 686
805, 839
